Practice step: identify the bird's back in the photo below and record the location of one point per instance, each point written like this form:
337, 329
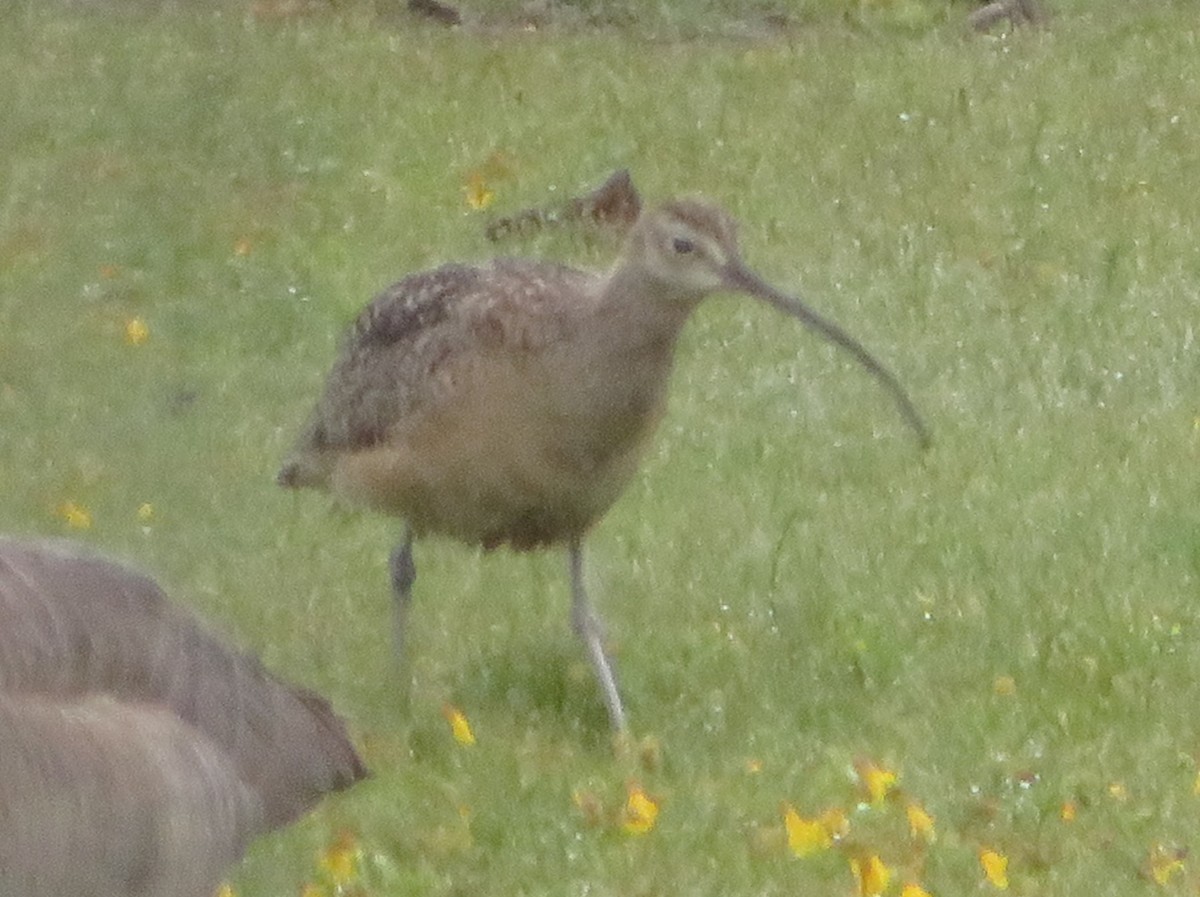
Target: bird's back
412, 347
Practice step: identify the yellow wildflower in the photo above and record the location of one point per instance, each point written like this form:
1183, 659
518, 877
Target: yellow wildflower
640, 813
870, 874
877, 781
920, 823
1004, 686
226, 890
136, 331
912, 889
805, 836
1118, 792
75, 515
995, 867
145, 512
1067, 811
459, 727
339, 862
1164, 863
477, 192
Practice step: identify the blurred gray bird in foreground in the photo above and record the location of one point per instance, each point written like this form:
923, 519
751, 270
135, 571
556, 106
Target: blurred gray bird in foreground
510, 403
139, 755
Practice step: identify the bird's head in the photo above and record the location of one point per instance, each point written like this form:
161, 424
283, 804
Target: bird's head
688, 248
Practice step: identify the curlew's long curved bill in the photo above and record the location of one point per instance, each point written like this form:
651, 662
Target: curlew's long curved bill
741, 278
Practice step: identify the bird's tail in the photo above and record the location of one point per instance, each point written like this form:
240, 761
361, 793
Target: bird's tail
301, 471
289, 476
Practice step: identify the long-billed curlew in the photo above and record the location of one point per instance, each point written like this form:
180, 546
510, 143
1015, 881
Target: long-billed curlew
510, 403
139, 755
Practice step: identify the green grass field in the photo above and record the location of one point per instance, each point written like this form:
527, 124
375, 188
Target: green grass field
195, 200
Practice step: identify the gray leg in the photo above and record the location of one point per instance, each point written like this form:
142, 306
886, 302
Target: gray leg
404, 574
587, 627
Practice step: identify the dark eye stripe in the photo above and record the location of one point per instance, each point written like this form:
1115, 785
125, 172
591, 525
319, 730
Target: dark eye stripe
683, 245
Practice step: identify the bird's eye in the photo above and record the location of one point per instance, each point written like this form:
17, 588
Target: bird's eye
683, 245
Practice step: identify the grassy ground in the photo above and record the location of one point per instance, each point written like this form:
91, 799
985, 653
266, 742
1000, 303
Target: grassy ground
194, 202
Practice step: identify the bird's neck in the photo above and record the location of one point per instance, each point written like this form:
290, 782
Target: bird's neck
637, 313
626, 354
622, 357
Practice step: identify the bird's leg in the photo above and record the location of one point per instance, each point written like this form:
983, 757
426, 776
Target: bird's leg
587, 626
404, 574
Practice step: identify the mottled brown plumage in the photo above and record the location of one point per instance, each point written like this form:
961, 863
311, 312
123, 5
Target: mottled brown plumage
510, 403
428, 412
